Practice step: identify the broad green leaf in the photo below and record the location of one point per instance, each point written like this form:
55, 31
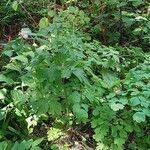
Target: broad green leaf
55, 107
75, 97
18, 146
66, 73
97, 137
3, 78
139, 117
13, 66
114, 131
51, 13
53, 74
30, 53
80, 113
2, 114
17, 132
119, 141
116, 106
80, 74
37, 142
128, 128
26, 145
1, 95
101, 132
146, 94
146, 111
97, 2
15, 5
18, 97
123, 101
21, 58
94, 123
43, 23
135, 101
122, 133
96, 112
3, 145
144, 102
109, 79
8, 53
39, 105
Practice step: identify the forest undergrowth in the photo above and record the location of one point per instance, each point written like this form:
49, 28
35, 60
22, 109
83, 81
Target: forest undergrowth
75, 75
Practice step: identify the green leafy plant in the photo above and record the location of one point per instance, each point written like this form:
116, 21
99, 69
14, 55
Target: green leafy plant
62, 73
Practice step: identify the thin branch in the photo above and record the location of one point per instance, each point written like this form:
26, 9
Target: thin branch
30, 16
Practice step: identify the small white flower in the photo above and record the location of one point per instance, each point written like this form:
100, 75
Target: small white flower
25, 33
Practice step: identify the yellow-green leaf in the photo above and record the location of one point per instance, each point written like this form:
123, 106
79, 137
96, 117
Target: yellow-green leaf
43, 23
15, 5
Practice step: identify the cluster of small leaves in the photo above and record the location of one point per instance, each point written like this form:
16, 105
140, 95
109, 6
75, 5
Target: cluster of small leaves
130, 106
